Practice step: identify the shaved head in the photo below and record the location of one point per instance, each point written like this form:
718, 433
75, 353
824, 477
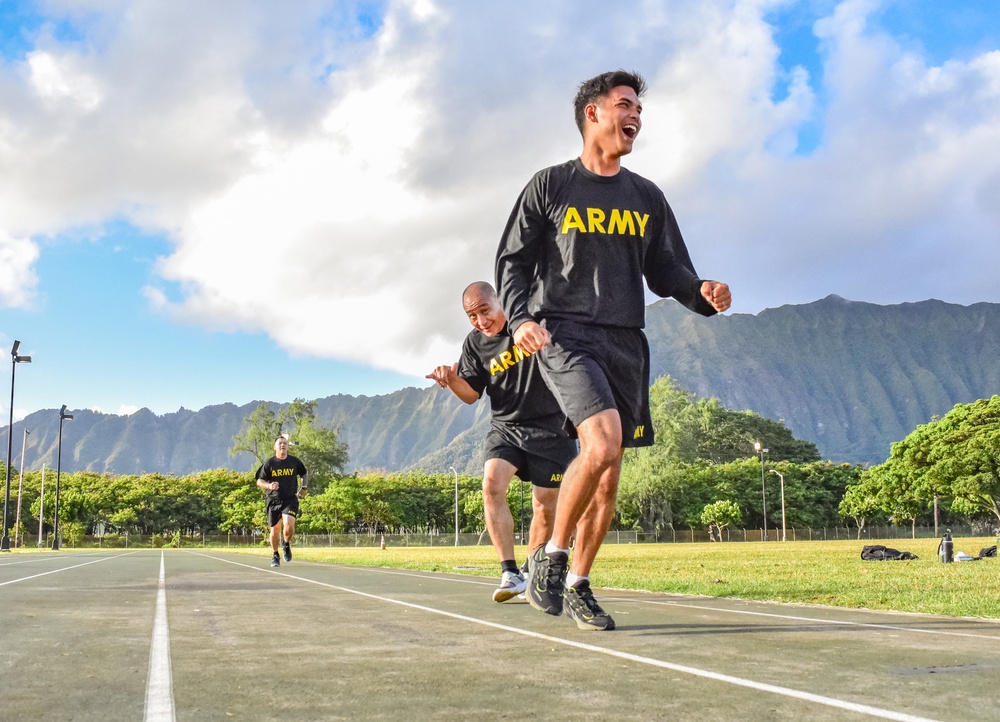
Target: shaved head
480, 288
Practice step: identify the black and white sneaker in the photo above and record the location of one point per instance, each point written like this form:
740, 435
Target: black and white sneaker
525, 574
583, 609
288, 552
548, 579
511, 585
275, 561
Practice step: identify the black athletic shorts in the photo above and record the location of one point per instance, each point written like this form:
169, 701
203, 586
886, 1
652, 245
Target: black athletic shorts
279, 505
540, 455
596, 368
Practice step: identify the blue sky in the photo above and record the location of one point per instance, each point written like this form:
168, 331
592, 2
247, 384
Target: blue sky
239, 201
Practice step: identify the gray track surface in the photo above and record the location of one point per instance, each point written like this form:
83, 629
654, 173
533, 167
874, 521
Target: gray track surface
315, 641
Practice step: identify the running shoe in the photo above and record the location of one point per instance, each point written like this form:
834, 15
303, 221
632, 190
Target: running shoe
511, 584
548, 580
583, 609
275, 561
525, 573
288, 552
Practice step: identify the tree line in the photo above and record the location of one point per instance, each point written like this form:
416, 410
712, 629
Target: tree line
949, 467
701, 470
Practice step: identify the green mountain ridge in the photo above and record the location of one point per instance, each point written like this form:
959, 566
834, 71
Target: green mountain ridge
852, 377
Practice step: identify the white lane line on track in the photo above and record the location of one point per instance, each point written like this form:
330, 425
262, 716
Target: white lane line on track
159, 683
640, 600
54, 571
812, 620
694, 671
408, 573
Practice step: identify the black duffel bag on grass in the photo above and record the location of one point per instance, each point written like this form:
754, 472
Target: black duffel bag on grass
879, 553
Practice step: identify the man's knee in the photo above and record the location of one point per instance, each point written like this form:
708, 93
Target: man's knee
601, 450
494, 487
601, 438
543, 500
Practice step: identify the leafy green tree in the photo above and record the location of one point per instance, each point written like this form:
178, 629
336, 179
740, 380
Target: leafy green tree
860, 502
319, 448
242, 509
722, 514
690, 430
703, 452
257, 434
333, 509
956, 458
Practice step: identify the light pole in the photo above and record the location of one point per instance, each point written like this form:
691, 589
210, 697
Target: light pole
14, 361
782, 477
521, 486
452, 470
55, 517
41, 511
20, 484
763, 496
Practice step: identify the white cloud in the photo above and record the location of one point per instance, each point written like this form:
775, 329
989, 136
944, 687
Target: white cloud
17, 275
337, 191
57, 79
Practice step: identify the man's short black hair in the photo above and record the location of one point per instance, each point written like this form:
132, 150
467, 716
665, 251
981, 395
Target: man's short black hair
596, 88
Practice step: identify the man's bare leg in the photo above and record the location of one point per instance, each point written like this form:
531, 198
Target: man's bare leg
543, 516
497, 475
596, 520
600, 450
586, 505
288, 526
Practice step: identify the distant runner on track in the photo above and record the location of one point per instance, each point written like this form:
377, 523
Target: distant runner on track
279, 477
527, 433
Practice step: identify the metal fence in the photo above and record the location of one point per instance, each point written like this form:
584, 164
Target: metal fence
361, 540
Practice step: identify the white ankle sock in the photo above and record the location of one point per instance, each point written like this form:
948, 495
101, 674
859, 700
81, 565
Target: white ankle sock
572, 579
550, 548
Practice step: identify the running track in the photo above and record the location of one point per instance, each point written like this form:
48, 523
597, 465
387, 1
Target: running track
212, 635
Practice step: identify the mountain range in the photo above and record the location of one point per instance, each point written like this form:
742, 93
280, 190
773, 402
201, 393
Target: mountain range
852, 377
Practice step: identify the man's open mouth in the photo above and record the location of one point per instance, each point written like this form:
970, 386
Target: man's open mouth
630, 130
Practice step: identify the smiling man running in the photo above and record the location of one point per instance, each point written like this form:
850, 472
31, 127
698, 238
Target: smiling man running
570, 268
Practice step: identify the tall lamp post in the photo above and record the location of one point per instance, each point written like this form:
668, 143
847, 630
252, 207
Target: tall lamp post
520, 484
15, 359
782, 477
41, 511
763, 496
452, 470
55, 516
20, 485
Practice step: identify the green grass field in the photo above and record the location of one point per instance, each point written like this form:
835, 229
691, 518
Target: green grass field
829, 572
